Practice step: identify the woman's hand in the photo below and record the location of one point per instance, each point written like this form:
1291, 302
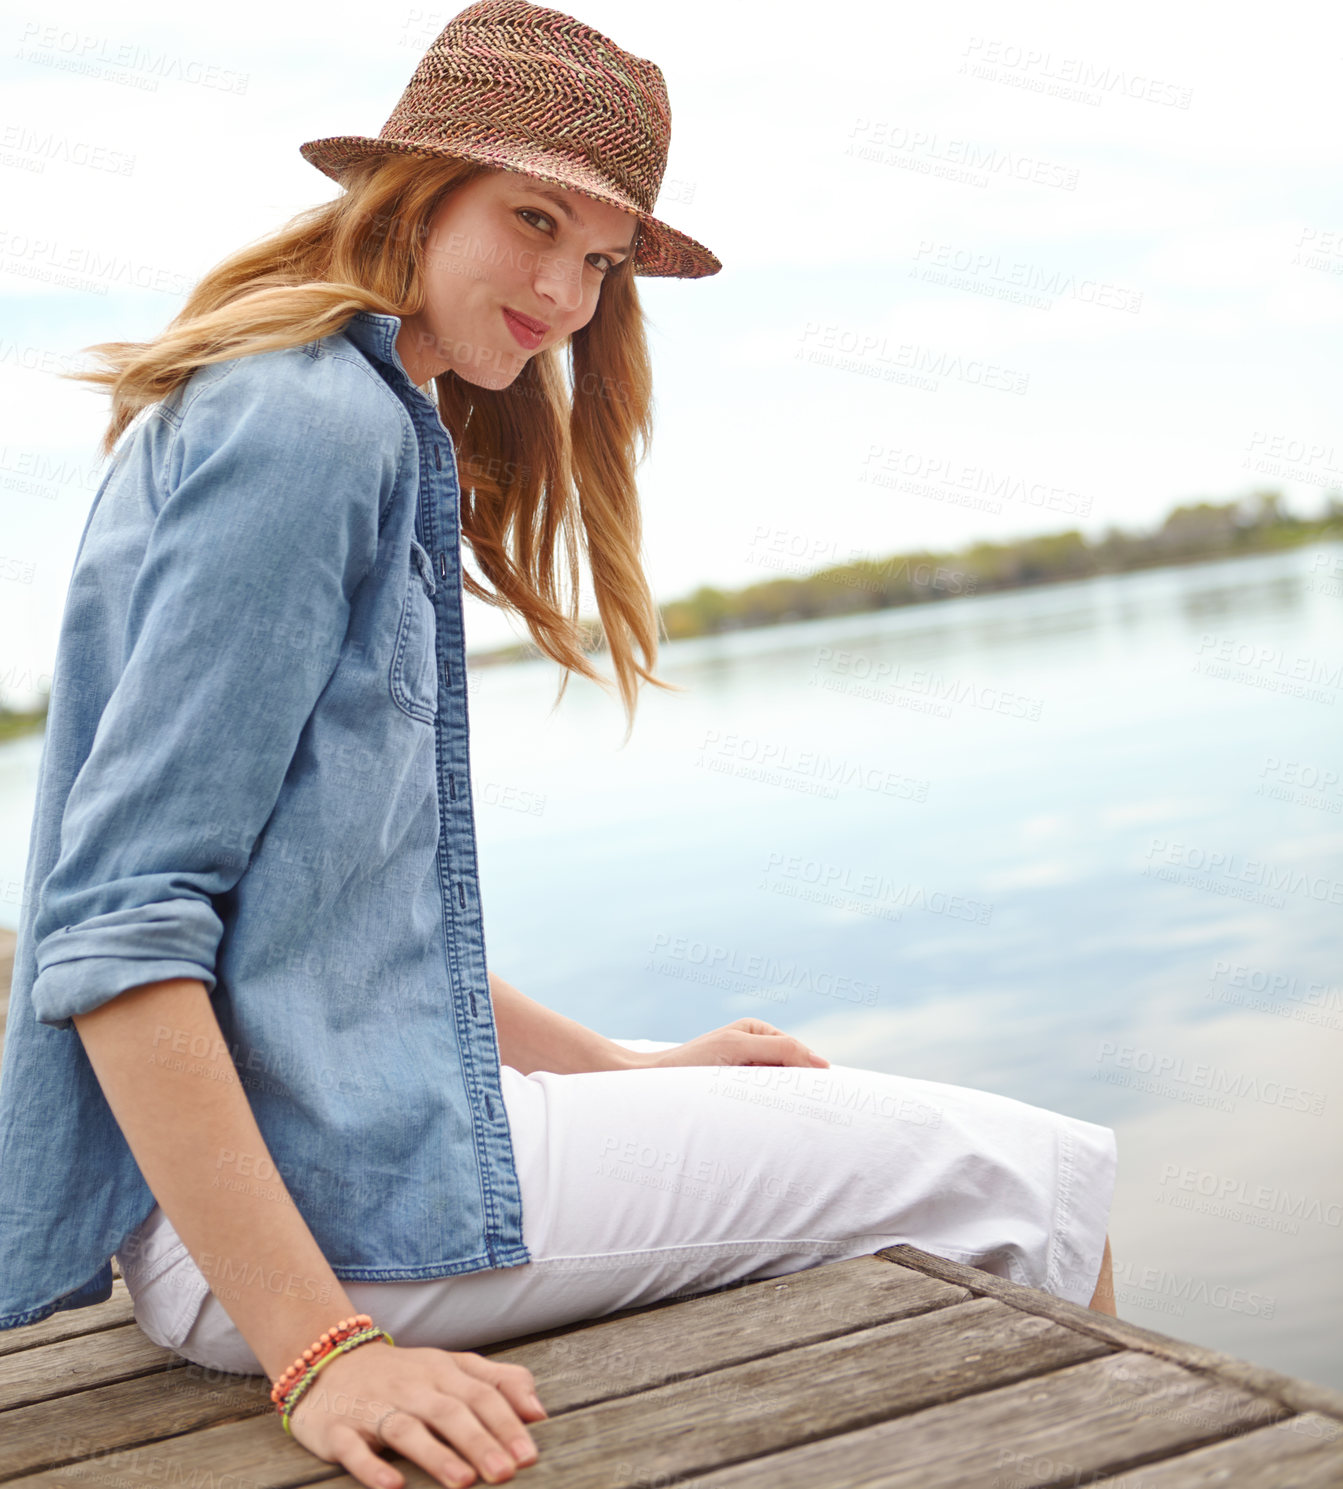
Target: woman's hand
444, 1410
743, 1042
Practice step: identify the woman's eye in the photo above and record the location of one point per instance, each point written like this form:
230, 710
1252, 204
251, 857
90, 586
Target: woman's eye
526, 212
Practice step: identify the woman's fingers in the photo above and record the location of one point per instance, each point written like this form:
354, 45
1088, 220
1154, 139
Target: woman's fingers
468, 1437
516, 1382
744, 1042
354, 1455
495, 1412
778, 1049
754, 1026
770, 1046
455, 1415
450, 1440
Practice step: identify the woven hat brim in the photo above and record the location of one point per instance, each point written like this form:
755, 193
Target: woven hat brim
663, 251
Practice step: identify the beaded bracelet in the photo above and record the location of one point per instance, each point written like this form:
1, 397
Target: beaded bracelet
291, 1399
342, 1330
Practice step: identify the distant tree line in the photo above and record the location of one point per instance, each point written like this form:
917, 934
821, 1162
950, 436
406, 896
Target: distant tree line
1198, 531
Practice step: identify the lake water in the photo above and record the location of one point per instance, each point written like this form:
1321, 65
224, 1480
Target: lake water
1079, 845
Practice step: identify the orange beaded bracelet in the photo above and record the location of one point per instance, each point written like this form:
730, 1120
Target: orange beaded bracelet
286, 1405
322, 1346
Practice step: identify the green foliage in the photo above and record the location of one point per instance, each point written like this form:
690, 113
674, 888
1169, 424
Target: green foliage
13, 723
1198, 530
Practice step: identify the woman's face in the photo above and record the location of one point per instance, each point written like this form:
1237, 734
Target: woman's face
512, 265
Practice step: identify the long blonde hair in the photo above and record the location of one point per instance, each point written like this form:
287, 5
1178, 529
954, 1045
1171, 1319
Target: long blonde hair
538, 460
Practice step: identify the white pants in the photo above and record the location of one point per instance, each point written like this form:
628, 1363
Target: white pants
641, 1185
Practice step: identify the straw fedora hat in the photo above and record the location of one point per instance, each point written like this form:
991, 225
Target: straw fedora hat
524, 88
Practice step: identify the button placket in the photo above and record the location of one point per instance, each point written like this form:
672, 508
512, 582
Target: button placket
450, 503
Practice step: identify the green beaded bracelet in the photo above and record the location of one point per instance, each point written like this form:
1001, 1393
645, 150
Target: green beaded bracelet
291, 1400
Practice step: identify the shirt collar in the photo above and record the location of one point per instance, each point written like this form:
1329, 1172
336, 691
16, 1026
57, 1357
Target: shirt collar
375, 335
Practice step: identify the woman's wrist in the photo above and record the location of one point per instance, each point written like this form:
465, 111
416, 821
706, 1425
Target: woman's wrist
616, 1057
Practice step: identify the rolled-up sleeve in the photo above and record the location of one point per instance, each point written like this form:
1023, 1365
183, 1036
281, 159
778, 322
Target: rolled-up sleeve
266, 522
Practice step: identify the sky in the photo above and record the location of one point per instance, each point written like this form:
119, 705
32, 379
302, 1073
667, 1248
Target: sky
987, 271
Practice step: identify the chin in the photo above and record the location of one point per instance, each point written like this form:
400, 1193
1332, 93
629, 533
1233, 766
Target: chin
494, 379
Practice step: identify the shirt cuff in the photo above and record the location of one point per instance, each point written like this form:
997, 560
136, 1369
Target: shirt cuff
80, 967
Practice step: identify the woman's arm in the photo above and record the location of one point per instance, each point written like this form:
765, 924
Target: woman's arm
533, 1037
187, 1121
192, 1131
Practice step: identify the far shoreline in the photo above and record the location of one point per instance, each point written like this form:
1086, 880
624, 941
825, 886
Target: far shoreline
1204, 532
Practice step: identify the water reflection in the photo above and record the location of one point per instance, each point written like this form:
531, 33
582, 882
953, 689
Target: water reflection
1039, 828
1089, 829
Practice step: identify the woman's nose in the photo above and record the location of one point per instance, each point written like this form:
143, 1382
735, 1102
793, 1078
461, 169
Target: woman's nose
559, 280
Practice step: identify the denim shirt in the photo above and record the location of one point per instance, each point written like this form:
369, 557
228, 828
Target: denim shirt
255, 773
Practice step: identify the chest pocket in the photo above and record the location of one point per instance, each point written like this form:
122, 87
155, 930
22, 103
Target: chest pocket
414, 675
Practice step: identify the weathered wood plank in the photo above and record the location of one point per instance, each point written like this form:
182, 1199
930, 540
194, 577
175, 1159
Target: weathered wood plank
838, 1385
1063, 1428
1303, 1452
105, 1418
76, 1364
1298, 1395
117, 1311
252, 1454
712, 1330
620, 1356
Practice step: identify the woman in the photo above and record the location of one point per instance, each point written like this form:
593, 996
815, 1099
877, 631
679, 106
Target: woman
252, 887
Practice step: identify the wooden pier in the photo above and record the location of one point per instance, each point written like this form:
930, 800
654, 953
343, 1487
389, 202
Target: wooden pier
896, 1369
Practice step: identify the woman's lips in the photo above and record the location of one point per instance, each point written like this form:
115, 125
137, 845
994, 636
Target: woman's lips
525, 332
